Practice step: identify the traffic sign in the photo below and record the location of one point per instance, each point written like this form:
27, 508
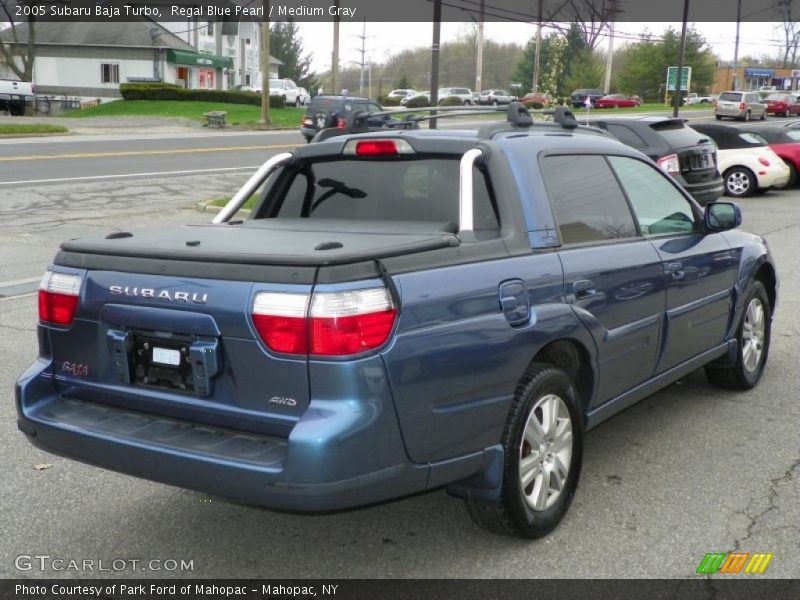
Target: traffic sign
686, 78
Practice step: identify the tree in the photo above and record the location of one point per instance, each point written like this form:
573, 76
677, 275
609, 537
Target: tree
403, 84
586, 71
791, 33
20, 56
287, 46
589, 17
549, 60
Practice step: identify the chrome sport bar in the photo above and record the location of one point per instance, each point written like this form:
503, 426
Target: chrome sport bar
465, 202
252, 184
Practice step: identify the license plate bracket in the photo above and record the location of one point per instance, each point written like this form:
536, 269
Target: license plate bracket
162, 363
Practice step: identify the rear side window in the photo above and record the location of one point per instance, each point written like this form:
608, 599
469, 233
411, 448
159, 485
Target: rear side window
395, 190
587, 200
731, 97
626, 135
659, 207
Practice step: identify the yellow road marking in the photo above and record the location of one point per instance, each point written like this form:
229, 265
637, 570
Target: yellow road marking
145, 152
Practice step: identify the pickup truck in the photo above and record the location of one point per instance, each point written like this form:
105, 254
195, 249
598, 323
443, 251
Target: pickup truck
402, 310
694, 98
15, 94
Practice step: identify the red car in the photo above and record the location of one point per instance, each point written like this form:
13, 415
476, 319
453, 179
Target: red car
785, 143
534, 100
617, 101
782, 104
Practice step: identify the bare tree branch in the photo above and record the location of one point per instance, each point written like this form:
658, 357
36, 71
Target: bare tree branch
14, 51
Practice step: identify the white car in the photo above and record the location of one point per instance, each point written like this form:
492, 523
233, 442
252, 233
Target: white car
463, 94
287, 88
745, 160
426, 95
400, 94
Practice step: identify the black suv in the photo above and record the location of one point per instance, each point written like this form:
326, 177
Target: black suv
578, 97
332, 111
690, 157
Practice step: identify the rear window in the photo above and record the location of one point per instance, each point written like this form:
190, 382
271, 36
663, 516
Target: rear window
394, 190
324, 104
795, 135
677, 135
730, 96
753, 139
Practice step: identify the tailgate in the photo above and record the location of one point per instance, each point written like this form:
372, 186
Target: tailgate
178, 347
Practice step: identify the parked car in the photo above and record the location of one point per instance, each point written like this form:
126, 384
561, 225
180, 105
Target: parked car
617, 101
740, 105
15, 95
495, 97
785, 142
287, 89
578, 98
464, 94
426, 94
695, 98
746, 161
782, 104
536, 100
400, 94
679, 150
384, 323
332, 111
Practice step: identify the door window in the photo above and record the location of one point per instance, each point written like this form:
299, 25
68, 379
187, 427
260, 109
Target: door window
659, 207
587, 200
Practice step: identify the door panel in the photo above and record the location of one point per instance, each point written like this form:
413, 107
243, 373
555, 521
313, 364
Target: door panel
623, 310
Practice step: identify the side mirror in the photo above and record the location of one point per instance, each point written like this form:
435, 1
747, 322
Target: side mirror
721, 216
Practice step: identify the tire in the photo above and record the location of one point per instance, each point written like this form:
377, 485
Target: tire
788, 113
792, 176
739, 182
747, 116
524, 511
763, 115
297, 102
718, 117
467, 103
753, 345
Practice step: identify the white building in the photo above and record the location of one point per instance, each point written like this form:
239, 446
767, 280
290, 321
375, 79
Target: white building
90, 60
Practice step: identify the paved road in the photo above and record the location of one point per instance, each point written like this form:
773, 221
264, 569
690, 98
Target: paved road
688, 471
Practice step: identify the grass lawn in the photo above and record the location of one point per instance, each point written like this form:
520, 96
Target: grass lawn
237, 113
31, 128
223, 201
648, 107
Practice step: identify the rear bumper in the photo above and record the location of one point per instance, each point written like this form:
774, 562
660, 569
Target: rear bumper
705, 192
340, 454
776, 175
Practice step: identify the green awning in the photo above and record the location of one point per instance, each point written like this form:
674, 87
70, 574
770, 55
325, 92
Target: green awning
184, 57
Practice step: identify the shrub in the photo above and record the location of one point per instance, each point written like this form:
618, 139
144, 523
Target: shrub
451, 101
418, 102
169, 91
386, 101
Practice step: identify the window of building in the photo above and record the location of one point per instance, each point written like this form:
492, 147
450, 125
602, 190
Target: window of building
587, 200
109, 73
247, 79
246, 41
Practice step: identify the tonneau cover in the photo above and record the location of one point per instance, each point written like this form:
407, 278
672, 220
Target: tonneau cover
288, 242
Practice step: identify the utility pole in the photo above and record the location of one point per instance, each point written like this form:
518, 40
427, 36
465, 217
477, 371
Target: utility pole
609, 58
538, 53
676, 98
437, 32
265, 65
363, 52
736, 46
479, 66
335, 58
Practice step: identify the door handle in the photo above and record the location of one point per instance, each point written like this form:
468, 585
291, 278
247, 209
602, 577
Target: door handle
676, 270
583, 288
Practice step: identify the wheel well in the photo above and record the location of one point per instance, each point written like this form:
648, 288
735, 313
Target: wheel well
766, 275
574, 359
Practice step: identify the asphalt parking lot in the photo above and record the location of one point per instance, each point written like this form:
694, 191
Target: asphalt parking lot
690, 470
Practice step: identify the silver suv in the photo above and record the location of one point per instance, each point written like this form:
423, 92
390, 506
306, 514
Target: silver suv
464, 94
740, 105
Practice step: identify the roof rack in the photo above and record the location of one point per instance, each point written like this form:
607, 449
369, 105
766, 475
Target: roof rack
517, 115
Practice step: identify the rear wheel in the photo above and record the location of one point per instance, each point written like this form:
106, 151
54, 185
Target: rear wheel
753, 337
718, 117
792, 175
739, 182
747, 116
763, 115
787, 114
543, 449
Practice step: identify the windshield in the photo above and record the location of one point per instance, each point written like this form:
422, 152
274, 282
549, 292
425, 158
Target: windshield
406, 190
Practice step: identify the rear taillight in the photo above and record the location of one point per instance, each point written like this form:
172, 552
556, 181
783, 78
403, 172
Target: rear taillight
375, 147
58, 298
327, 324
742, 105
340, 123
763, 161
669, 164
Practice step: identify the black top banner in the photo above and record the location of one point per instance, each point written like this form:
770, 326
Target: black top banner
525, 11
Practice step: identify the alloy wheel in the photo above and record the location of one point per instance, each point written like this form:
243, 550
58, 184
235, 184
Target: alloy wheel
545, 452
753, 335
738, 183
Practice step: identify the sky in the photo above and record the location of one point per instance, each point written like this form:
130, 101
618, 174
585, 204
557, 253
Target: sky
384, 39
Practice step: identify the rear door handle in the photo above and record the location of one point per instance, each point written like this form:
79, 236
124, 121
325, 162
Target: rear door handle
583, 288
676, 270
